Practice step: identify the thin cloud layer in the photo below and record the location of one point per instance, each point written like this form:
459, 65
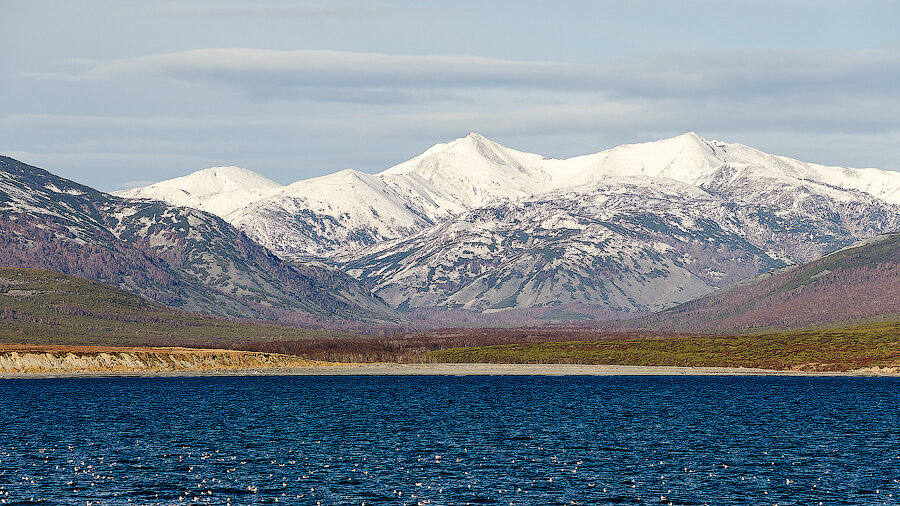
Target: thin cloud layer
308, 112
385, 78
251, 69
158, 89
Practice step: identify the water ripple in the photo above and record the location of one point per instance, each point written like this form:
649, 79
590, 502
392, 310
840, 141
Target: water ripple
450, 440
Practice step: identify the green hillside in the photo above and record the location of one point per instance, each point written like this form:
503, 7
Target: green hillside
46, 307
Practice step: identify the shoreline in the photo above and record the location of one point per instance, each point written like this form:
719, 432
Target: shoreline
453, 369
26, 360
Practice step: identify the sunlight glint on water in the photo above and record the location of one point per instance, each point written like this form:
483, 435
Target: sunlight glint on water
442, 440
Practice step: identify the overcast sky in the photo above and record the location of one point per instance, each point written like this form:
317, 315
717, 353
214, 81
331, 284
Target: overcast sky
119, 93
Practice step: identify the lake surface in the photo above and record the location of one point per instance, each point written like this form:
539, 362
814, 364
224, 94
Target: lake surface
450, 440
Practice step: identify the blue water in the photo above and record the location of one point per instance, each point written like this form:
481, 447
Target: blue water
450, 440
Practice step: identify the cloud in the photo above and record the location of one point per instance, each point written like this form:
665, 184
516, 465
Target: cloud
626, 117
284, 9
378, 78
258, 69
333, 109
811, 115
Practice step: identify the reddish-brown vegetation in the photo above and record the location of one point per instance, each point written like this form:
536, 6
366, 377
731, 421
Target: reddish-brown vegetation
413, 347
856, 284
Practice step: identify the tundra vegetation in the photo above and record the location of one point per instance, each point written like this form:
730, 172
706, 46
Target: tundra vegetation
825, 349
48, 308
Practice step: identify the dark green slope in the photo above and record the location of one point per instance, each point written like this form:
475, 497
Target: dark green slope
47, 307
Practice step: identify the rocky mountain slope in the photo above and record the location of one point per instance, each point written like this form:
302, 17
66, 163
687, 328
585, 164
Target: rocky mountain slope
628, 245
859, 282
178, 256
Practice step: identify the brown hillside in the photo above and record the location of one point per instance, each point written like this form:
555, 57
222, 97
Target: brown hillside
861, 282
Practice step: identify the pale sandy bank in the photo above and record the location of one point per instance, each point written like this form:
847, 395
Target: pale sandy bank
35, 359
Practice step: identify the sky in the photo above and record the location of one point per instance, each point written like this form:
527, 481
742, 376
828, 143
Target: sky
119, 93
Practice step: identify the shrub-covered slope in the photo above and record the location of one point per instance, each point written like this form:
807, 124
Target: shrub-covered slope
859, 282
46, 307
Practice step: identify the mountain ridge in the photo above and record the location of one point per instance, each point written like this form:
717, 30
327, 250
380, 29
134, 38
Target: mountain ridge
469, 172
638, 227
629, 247
178, 256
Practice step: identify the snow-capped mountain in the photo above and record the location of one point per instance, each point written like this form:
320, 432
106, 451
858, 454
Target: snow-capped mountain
345, 210
216, 190
177, 256
628, 245
349, 210
639, 227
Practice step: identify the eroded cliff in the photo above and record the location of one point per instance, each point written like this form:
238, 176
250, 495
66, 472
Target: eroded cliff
63, 359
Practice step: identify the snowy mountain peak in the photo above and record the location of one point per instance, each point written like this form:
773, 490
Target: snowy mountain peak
469, 140
219, 190
480, 142
208, 182
473, 170
470, 148
477, 148
686, 158
347, 210
691, 136
222, 179
330, 186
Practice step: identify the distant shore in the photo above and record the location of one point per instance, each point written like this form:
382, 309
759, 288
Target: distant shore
392, 369
55, 361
